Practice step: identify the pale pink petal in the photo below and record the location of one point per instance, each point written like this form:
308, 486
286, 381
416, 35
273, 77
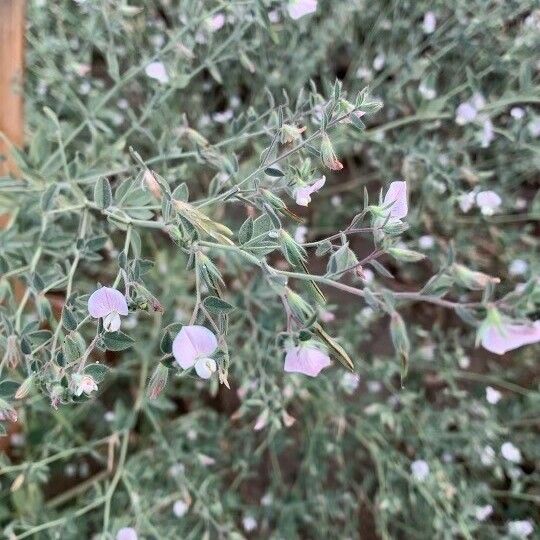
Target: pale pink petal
303, 194
507, 337
397, 197
306, 360
106, 300
299, 8
191, 343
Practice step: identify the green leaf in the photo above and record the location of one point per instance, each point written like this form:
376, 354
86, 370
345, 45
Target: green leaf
8, 388
96, 371
271, 171
117, 341
47, 199
246, 231
217, 305
68, 319
103, 193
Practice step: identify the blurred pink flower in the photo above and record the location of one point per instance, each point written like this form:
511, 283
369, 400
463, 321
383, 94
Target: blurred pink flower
157, 71
302, 194
126, 533
397, 197
500, 336
488, 202
299, 8
216, 22
465, 113
430, 22
192, 347
108, 304
306, 359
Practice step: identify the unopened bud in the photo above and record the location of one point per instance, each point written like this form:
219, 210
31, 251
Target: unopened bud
25, 387
328, 155
291, 133
12, 354
400, 340
158, 381
406, 255
152, 184
276, 202
470, 279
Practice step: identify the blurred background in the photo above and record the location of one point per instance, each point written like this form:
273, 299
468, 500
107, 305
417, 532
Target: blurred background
453, 453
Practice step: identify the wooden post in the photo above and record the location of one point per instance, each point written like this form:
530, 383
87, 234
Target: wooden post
11, 77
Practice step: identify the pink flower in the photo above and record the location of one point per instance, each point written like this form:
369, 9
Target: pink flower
430, 22
299, 8
396, 196
306, 359
108, 304
303, 194
500, 336
126, 533
488, 202
216, 22
84, 384
465, 113
192, 347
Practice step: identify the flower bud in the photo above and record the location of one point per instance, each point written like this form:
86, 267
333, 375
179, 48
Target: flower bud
12, 354
25, 387
406, 255
152, 184
400, 340
291, 133
158, 381
300, 308
470, 279
328, 155
276, 202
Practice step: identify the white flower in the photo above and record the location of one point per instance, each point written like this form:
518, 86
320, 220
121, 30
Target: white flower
465, 113
374, 387
426, 91
430, 22
267, 499
510, 452
299, 8
300, 234
349, 382
180, 508
483, 512
157, 71
126, 533
488, 202
420, 470
520, 528
488, 133
379, 61
249, 523
493, 396
487, 456
466, 201
518, 267
534, 127
426, 242
517, 113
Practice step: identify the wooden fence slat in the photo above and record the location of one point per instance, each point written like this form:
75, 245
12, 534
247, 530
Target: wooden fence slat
11, 76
